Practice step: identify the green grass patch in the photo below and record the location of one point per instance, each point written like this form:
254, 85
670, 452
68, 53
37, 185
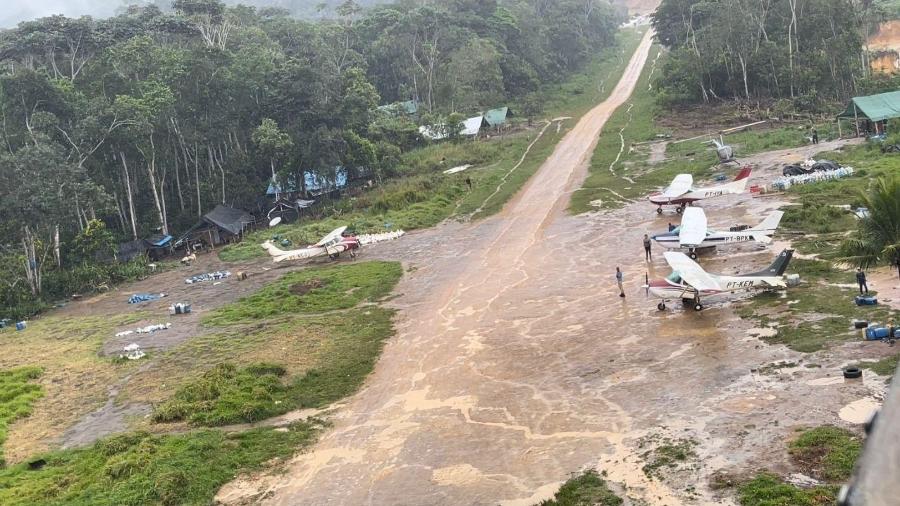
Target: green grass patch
585, 489
18, 393
815, 218
827, 453
769, 490
141, 469
421, 196
884, 367
227, 395
314, 290
814, 315
666, 454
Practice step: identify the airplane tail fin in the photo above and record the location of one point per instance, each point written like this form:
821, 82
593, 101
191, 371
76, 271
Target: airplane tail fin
770, 223
778, 267
739, 185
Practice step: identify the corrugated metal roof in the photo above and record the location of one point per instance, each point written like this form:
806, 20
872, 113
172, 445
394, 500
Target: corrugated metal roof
874, 107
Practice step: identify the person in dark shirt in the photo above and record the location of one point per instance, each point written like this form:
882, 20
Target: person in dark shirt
648, 254
861, 280
815, 136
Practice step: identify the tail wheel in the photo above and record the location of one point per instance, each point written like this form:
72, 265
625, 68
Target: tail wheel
661, 306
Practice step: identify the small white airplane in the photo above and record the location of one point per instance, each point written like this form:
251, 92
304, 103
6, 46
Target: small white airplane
689, 282
681, 191
332, 245
693, 233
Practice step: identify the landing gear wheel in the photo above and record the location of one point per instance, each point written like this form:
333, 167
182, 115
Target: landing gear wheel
659, 210
333, 256
661, 306
679, 209
693, 255
698, 307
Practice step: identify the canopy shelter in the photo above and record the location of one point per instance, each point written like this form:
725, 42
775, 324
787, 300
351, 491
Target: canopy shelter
498, 117
472, 126
154, 246
221, 225
872, 111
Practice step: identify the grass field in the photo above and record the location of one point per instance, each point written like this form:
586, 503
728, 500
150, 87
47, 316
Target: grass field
17, 394
143, 469
304, 341
422, 196
826, 453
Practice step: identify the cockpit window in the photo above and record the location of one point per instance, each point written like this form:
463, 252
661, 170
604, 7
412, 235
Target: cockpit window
675, 277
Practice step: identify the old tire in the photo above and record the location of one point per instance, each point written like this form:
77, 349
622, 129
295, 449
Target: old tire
852, 372
860, 324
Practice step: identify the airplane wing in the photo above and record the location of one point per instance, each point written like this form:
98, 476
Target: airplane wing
679, 186
691, 272
693, 227
334, 234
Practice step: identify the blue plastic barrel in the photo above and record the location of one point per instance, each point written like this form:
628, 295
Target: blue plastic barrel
20, 325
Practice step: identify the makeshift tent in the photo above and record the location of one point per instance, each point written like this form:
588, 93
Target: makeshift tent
409, 107
875, 109
472, 126
497, 117
222, 224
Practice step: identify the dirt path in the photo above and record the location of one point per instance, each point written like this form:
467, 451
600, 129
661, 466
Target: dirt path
459, 410
515, 363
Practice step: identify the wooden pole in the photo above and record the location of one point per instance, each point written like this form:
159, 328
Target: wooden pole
856, 119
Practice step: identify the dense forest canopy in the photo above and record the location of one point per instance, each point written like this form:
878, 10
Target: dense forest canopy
150, 118
807, 51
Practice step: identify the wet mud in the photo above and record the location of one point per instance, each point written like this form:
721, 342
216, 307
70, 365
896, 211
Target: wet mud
515, 362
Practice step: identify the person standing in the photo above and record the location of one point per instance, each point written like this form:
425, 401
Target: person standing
648, 254
671, 227
619, 279
861, 280
815, 136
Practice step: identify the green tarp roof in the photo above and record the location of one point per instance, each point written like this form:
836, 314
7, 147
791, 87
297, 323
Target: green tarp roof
497, 116
874, 107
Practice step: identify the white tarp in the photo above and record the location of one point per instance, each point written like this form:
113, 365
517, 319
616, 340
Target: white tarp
434, 132
472, 126
454, 170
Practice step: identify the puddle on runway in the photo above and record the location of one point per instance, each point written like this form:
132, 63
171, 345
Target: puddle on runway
859, 411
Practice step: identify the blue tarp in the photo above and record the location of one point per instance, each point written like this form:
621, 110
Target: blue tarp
159, 241
314, 183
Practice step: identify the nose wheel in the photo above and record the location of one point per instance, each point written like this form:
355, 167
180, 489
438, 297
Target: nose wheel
692, 254
661, 306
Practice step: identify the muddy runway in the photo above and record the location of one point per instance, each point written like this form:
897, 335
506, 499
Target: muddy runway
516, 363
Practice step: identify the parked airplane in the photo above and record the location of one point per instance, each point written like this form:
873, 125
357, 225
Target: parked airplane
681, 191
332, 245
689, 282
694, 235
